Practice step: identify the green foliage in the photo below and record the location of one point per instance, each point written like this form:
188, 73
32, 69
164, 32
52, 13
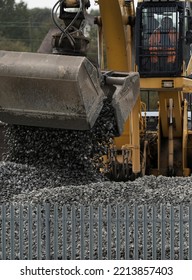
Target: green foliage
8, 45
24, 29
39, 23
13, 19
21, 27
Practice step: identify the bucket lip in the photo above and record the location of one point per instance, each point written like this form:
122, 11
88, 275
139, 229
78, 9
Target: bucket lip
14, 56
44, 66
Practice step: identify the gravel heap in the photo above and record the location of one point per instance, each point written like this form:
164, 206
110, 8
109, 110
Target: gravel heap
149, 190
72, 156
61, 167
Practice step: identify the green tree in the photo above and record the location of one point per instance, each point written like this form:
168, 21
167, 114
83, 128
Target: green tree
13, 20
40, 22
6, 44
22, 27
25, 28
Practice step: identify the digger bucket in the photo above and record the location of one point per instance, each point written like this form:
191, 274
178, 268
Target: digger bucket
49, 90
125, 96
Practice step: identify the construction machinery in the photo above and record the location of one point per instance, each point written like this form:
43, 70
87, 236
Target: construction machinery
164, 65
59, 87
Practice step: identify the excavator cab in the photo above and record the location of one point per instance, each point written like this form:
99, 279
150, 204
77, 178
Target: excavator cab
162, 47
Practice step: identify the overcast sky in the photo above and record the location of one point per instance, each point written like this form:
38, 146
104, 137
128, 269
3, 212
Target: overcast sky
42, 3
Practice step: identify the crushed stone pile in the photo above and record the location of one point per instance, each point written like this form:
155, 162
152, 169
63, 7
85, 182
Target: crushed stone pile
75, 155
62, 167
149, 191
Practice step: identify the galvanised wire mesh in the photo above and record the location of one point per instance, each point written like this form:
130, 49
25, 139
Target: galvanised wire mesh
89, 232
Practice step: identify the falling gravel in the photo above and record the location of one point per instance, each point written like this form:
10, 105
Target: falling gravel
61, 167
74, 157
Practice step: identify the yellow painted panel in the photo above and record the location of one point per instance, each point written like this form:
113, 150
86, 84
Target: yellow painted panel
113, 29
180, 83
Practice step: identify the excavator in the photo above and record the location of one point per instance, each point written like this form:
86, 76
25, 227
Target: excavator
59, 87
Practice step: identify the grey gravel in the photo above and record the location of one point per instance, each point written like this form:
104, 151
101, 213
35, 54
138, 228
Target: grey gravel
149, 190
74, 157
62, 167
